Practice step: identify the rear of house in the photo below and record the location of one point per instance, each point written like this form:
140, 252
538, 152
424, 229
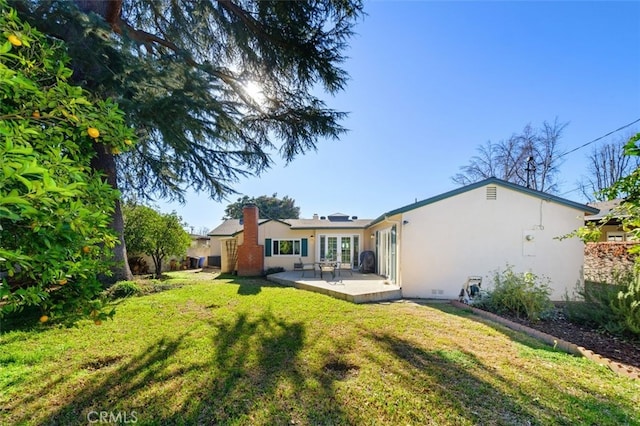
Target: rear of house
479, 229
431, 247
284, 242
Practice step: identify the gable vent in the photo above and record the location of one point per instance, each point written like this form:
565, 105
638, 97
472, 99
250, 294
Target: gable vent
492, 193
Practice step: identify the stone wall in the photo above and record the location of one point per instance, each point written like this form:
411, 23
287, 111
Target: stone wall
604, 259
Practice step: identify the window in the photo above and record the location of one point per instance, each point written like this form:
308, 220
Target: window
616, 236
286, 247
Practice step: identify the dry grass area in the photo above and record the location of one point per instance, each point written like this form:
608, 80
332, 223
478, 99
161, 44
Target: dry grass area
247, 352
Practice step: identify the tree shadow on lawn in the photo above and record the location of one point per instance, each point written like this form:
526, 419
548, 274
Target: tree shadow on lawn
248, 286
459, 382
251, 375
259, 378
25, 320
515, 335
617, 413
452, 381
109, 392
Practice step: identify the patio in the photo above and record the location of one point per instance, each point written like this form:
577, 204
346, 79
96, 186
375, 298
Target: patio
356, 287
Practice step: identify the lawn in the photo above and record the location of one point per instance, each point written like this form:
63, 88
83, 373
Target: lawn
246, 351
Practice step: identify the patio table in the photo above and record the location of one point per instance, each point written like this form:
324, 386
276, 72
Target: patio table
327, 266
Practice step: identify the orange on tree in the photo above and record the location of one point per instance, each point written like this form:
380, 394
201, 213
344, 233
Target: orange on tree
86, 249
93, 132
13, 39
44, 319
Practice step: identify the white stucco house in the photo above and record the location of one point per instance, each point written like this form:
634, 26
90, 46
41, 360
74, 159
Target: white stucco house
431, 247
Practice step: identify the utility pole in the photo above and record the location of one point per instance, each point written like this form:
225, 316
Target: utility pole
531, 169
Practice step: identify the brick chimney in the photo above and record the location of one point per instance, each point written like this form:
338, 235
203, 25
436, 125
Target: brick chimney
250, 254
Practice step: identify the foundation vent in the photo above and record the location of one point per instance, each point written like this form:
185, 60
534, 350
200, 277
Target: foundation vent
492, 193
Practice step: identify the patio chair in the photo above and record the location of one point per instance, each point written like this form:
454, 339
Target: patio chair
328, 266
344, 266
304, 267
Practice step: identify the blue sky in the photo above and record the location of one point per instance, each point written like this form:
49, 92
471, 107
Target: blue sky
432, 81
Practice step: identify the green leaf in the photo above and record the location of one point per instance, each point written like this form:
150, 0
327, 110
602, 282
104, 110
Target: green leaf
6, 47
14, 200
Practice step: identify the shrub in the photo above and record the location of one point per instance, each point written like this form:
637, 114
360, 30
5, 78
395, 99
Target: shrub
274, 270
518, 294
123, 289
592, 305
627, 306
613, 307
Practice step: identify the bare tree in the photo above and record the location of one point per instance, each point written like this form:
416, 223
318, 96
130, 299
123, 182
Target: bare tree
607, 164
529, 158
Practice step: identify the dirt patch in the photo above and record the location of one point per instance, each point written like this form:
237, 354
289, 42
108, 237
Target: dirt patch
101, 362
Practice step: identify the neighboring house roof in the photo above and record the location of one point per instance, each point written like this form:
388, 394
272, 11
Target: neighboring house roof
199, 237
606, 208
232, 227
489, 181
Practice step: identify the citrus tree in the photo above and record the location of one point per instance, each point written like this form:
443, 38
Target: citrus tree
155, 234
55, 211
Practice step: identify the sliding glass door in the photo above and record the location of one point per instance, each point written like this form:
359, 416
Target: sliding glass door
386, 252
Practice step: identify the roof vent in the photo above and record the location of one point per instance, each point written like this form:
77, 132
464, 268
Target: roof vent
323, 217
354, 217
492, 193
315, 216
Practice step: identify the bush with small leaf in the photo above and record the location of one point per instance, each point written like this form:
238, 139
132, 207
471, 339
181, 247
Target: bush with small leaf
592, 304
524, 295
626, 305
610, 306
123, 289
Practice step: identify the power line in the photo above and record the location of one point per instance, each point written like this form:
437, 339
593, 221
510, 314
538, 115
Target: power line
601, 137
570, 191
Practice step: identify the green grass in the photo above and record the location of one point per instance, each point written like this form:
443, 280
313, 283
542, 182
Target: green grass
248, 352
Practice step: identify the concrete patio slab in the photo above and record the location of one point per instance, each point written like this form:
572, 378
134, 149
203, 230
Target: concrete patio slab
355, 288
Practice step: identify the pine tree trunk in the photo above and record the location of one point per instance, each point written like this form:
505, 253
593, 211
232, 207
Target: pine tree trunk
105, 163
